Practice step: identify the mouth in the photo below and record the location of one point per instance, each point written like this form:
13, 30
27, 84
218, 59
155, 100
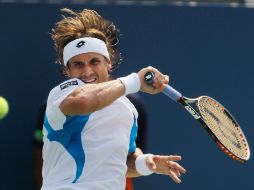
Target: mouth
89, 81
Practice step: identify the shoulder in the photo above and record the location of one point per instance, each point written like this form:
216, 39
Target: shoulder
66, 85
61, 91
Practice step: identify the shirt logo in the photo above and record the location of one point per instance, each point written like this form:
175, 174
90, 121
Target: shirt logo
80, 44
67, 84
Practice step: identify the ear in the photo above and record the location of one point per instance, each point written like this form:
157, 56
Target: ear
66, 71
109, 65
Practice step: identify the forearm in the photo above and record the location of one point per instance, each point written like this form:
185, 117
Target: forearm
132, 172
91, 97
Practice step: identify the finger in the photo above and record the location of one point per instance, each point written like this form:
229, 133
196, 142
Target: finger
166, 79
157, 82
178, 174
163, 78
167, 158
159, 78
164, 82
176, 166
174, 158
173, 176
152, 69
150, 163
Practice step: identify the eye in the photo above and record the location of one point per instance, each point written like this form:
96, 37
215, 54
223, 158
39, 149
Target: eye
95, 61
78, 64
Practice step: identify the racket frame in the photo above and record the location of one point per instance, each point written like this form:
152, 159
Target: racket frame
185, 102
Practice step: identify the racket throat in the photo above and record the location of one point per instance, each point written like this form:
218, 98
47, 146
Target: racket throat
192, 112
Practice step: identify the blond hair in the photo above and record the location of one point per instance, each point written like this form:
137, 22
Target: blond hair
87, 23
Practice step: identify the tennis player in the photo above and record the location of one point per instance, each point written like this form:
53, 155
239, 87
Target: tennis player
90, 126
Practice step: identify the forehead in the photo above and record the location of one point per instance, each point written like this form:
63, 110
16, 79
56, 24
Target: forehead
86, 57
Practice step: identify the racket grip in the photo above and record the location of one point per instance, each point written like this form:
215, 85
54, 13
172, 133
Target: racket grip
168, 90
172, 93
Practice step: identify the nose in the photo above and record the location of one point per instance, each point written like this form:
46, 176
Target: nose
87, 70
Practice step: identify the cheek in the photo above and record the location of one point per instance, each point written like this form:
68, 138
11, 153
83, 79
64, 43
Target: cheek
104, 74
74, 73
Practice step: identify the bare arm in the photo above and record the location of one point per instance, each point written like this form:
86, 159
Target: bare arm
91, 97
132, 172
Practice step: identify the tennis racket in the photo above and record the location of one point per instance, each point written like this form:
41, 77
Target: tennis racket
215, 119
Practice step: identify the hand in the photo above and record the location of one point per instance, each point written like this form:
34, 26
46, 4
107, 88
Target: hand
166, 165
158, 84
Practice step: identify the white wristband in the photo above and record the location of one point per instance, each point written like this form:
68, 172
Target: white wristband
131, 83
141, 166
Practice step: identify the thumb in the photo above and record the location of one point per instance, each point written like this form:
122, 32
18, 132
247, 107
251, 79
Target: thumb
150, 163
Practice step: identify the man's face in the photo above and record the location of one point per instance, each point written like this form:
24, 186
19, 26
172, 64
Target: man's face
89, 67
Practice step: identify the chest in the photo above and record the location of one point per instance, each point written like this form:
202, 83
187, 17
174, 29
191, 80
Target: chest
110, 126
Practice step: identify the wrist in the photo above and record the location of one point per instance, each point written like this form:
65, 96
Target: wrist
131, 83
141, 165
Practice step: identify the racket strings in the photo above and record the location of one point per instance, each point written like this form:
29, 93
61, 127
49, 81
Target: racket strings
223, 127
224, 130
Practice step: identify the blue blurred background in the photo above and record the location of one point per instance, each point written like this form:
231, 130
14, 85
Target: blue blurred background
206, 49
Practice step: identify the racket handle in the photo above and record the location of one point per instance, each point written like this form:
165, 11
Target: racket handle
168, 90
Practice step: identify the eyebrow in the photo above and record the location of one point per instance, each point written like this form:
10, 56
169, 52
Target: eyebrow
94, 58
78, 62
